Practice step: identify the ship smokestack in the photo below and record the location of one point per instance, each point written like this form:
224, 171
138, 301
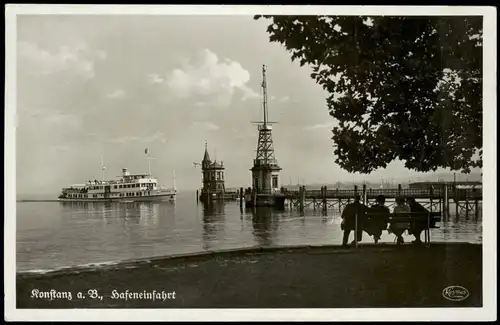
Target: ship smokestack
125, 172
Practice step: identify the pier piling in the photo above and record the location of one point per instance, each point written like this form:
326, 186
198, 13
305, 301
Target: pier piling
446, 202
466, 207
476, 205
325, 206
302, 197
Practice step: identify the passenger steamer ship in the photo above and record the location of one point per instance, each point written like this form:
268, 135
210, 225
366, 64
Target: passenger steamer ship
130, 187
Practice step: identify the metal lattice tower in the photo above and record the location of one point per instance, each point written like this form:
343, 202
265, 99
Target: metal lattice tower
265, 166
265, 149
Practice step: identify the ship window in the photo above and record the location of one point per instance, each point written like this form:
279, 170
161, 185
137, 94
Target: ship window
115, 187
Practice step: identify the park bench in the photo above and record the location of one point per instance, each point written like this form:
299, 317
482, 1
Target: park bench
430, 219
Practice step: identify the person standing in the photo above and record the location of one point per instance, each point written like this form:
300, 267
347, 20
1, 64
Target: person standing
352, 213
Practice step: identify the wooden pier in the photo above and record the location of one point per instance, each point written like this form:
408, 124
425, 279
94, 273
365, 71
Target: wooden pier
437, 199
225, 195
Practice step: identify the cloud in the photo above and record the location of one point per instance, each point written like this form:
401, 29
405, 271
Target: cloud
76, 59
117, 94
319, 126
58, 119
205, 125
155, 79
158, 136
248, 93
208, 79
123, 139
60, 148
280, 100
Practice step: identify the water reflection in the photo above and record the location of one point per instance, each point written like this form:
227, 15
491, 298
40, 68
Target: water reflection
213, 224
265, 222
70, 233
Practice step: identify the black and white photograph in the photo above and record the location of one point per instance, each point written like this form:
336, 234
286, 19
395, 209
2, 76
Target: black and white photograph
250, 163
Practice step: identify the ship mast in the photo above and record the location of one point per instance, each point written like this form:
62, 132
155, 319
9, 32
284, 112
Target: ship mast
149, 161
103, 167
264, 93
175, 187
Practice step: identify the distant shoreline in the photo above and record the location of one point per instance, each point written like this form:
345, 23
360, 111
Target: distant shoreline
36, 200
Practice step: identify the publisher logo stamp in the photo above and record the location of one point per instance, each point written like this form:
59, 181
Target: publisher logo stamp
455, 293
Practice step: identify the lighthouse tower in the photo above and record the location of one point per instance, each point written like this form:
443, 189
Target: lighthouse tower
265, 170
213, 176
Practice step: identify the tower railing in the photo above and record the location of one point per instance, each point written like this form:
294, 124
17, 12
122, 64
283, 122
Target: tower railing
264, 127
265, 162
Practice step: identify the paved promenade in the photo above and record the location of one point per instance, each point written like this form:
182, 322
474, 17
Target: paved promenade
381, 275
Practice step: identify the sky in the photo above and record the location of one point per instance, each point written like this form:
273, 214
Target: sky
94, 86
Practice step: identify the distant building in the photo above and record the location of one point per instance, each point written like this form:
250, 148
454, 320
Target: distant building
213, 187
213, 175
436, 185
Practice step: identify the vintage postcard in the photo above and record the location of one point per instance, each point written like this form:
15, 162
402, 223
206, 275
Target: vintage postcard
250, 163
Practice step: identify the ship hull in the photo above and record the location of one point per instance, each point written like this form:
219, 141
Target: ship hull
150, 198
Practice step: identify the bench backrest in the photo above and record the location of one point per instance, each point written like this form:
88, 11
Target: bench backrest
406, 216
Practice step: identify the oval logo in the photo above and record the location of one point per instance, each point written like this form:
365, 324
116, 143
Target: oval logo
455, 293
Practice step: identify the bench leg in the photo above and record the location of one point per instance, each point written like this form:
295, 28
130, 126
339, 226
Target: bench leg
427, 236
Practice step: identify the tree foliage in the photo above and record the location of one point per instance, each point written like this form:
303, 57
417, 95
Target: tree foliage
407, 88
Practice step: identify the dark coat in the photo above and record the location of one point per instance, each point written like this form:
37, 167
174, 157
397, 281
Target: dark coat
417, 207
349, 215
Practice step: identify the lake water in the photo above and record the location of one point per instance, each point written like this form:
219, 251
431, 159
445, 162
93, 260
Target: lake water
53, 235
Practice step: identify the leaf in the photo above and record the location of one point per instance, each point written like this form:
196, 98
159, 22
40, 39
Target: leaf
399, 61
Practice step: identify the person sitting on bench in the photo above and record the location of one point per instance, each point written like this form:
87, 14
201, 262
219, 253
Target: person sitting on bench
398, 228
417, 226
349, 220
378, 222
